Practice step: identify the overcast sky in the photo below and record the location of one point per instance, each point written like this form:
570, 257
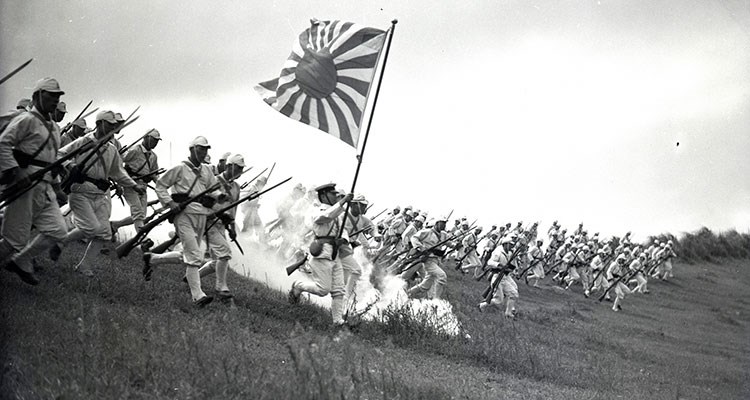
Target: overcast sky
626, 115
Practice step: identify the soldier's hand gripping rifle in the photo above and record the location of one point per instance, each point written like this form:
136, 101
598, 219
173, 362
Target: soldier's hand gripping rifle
220, 215
19, 188
125, 248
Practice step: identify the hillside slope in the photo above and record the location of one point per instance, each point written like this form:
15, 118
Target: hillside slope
116, 336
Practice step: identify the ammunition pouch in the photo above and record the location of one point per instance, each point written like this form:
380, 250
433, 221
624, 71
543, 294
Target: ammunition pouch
438, 252
205, 201
316, 247
179, 197
101, 184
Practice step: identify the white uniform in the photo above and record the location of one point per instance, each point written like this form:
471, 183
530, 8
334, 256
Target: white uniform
469, 250
614, 272
138, 162
597, 265
92, 205
536, 259
637, 266
37, 207
188, 179
506, 289
425, 239
326, 275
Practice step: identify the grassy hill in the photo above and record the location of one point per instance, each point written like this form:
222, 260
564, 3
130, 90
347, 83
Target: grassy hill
116, 336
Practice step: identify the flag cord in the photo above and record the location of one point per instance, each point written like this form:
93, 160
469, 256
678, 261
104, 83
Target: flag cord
369, 122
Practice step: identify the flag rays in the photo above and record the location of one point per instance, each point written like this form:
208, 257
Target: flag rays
327, 77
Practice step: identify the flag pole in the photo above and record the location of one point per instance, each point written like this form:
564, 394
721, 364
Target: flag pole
369, 121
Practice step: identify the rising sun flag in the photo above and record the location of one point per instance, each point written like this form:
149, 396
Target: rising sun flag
326, 80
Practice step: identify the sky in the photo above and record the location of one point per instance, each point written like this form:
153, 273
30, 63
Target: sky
624, 115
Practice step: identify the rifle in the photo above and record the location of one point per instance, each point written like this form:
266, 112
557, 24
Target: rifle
162, 247
15, 190
290, 269
150, 174
15, 71
244, 185
125, 248
70, 124
79, 170
89, 113
487, 294
249, 197
165, 208
125, 148
378, 214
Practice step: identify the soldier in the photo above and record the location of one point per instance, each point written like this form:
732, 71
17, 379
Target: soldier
615, 271
216, 240
77, 129
469, 259
29, 143
141, 164
251, 222
536, 263
597, 265
423, 240
89, 197
393, 214
410, 231
637, 266
502, 264
60, 112
327, 276
579, 267
24, 105
222, 165
353, 223
665, 255
186, 180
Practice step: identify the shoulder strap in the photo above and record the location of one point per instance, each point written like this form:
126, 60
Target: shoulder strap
49, 134
197, 173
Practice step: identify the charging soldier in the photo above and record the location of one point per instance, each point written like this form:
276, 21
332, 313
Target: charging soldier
326, 275
216, 240
506, 289
90, 198
426, 240
186, 180
141, 164
29, 143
